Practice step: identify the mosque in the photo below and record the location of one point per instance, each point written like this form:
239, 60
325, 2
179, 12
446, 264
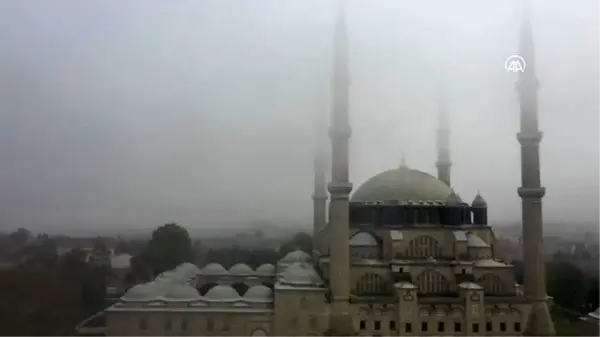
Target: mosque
404, 255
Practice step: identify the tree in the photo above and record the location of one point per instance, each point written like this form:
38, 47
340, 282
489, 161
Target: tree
169, 247
37, 302
300, 241
140, 267
593, 294
518, 270
89, 279
567, 284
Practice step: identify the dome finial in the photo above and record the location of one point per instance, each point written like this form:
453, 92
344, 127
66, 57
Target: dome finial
453, 199
403, 160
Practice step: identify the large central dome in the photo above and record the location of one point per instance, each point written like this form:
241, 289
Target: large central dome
402, 184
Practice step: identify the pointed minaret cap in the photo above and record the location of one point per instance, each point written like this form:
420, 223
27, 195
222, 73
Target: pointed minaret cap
479, 202
453, 199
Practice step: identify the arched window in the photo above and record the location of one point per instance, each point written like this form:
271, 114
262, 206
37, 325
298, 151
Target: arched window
432, 282
492, 284
371, 283
423, 246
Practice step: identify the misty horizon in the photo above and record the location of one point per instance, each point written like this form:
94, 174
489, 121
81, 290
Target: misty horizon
131, 115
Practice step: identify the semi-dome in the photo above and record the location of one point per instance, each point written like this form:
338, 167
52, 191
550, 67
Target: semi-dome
301, 274
295, 256
241, 269
402, 184
182, 292
259, 293
214, 269
188, 269
266, 269
141, 292
223, 293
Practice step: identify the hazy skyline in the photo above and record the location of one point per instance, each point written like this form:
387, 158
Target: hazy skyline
132, 114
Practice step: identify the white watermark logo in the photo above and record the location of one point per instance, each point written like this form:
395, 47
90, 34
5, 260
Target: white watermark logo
515, 64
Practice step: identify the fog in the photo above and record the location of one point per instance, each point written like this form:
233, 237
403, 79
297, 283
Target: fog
130, 114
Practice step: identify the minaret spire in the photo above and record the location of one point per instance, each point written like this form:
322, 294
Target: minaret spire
443, 162
340, 186
531, 192
320, 186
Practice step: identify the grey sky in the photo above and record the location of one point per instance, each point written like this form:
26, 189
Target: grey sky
134, 113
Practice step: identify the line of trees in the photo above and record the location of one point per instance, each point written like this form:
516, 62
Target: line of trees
568, 285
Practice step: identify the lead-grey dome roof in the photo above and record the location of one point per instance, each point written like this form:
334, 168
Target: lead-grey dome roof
241, 269
402, 184
301, 274
142, 292
182, 292
188, 269
266, 269
296, 256
259, 293
223, 293
214, 269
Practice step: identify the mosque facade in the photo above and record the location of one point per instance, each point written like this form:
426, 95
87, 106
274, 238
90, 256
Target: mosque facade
404, 255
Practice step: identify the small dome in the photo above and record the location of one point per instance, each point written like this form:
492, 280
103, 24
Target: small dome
402, 184
266, 269
182, 292
214, 269
259, 293
363, 239
479, 202
188, 269
241, 269
301, 274
222, 293
141, 292
475, 241
296, 256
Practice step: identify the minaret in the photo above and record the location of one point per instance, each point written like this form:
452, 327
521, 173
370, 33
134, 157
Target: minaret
340, 186
320, 188
531, 193
443, 162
